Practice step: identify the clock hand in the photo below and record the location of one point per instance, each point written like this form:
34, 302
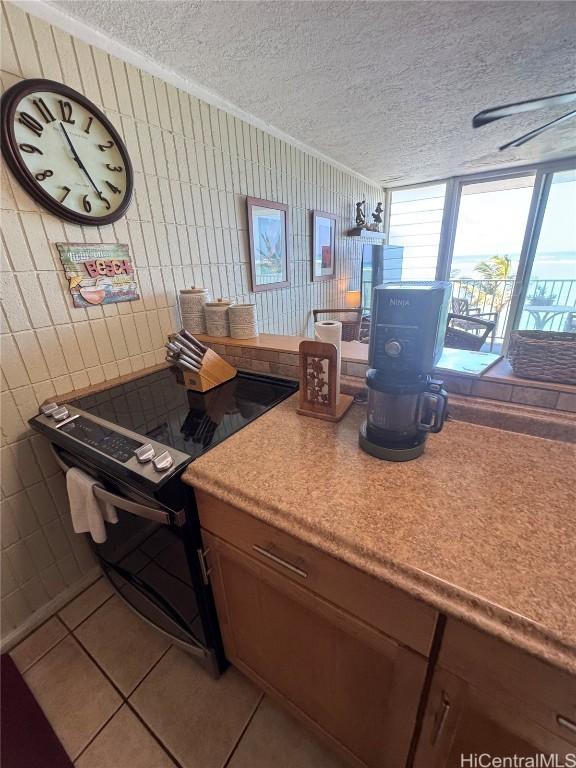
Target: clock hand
80, 163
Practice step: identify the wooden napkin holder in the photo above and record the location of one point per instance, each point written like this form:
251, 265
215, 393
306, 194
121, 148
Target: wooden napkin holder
213, 372
318, 382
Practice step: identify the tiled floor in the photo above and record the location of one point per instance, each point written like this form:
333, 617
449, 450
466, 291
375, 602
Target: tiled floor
120, 696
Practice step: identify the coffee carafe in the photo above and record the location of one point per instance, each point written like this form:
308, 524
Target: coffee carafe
405, 403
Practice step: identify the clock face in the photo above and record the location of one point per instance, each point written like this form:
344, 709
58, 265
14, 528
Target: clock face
65, 152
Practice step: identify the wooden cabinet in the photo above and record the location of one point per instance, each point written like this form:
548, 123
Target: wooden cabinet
349, 681
334, 645
395, 613
348, 655
495, 700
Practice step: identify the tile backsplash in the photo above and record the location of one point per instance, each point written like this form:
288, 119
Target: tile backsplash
194, 166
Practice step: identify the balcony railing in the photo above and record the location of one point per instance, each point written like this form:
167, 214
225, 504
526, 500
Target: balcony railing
493, 297
470, 296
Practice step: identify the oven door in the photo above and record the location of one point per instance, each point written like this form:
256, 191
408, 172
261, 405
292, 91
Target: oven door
145, 557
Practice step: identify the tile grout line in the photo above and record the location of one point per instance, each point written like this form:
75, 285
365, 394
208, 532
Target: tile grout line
88, 616
156, 738
121, 694
98, 732
152, 668
101, 669
242, 734
46, 652
56, 614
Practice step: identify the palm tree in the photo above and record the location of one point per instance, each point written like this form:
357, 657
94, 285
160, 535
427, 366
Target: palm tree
496, 287
496, 268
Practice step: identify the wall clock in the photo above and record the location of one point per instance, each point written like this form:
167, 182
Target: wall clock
65, 152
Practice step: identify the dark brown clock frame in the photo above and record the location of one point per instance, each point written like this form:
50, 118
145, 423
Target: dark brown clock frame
8, 104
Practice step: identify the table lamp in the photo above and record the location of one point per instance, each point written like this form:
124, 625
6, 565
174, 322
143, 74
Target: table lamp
353, 299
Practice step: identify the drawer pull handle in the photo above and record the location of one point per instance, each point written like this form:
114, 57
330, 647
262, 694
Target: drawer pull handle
440, 720
204, 569
565, 723
280, 561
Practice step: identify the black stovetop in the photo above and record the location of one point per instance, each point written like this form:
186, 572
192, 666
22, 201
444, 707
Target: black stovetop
160, 407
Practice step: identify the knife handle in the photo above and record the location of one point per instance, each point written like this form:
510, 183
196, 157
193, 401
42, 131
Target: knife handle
188, 336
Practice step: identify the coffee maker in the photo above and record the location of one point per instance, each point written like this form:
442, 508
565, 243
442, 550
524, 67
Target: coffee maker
407, 334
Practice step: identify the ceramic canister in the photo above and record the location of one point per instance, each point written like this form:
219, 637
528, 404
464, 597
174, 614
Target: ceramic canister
216, 313
243, 321
192, 302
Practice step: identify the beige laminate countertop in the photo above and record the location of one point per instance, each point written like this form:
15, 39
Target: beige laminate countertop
483, 526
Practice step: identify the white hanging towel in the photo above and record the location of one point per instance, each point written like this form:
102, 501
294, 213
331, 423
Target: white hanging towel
89, 514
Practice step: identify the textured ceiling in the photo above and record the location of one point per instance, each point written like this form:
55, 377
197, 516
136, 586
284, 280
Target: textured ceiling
386, 88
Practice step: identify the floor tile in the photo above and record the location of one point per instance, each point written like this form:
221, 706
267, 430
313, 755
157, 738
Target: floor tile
124, 645
80, 608
75, 696
199, 719
38, 643
124, 743
274, 738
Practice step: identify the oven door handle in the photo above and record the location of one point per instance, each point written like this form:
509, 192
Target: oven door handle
155, 514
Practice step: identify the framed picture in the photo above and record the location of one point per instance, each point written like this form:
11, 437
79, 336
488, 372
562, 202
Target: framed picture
268, 233
323, 245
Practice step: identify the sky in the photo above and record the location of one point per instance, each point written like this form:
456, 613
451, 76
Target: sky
494, 223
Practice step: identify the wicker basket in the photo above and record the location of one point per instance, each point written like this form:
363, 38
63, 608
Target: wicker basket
543, 355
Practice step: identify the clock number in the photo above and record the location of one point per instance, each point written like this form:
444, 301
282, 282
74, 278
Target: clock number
43, 175
114, 167
44, 110
108, 145
86, 204
87, 129
31, 122
113, 188
66, 195
30, 148
105, 201
66, 109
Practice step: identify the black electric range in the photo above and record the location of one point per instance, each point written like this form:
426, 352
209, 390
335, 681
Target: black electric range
136, 439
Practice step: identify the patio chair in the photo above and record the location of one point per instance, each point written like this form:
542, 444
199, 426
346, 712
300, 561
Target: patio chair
350, 327
467, 332
461, 306
570, 322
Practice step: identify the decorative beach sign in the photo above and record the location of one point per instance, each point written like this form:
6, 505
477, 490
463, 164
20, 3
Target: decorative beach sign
98, 273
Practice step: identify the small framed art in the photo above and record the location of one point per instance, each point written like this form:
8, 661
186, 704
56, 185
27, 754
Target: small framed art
268, 234
323, 245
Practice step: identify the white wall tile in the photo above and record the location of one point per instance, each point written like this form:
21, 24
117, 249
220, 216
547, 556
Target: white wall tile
31, 354
186, 225
21, 31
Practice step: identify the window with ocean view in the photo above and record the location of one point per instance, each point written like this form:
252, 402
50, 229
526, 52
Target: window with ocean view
490, 230
506, 241
550, 298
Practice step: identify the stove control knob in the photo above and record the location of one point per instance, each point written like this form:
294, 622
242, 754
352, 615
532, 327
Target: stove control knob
393, 348
49, 408
145, 453
60, 413
163, 462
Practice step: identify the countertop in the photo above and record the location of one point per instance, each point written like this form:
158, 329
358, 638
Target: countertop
482, 526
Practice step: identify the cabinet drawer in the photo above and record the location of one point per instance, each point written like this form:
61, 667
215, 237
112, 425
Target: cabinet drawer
389, 610
464, 719
488, 662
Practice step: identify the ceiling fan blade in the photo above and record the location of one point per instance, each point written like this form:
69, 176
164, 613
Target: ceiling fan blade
537, 131
496, 113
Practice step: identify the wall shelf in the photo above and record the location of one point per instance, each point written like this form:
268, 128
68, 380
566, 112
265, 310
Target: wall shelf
367, 234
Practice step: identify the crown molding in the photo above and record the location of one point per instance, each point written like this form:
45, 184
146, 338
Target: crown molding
48, 12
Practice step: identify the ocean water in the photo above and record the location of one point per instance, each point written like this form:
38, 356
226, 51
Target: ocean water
557, 265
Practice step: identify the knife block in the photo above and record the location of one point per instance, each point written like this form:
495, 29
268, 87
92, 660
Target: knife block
213, 372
